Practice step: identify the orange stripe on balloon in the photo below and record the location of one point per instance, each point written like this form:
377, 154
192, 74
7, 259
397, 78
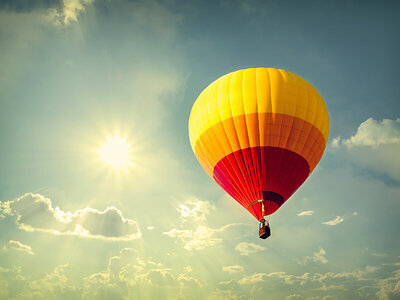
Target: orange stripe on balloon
262, 129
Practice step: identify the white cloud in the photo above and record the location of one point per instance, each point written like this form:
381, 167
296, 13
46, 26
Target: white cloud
324, 279
195, 210
295, 297
306, 213
320, 256
16, 245
375, 146
69, 12
389, 287
334, 222
34, 212
373, 133
233, 269
202, 237
224, 294
128, 276
202, 244
300, 297
336, 142
365, 283
52, 286
261, 277
248, 248
317, 257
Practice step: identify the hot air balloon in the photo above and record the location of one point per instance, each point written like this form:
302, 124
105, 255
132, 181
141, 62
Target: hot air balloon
259, 133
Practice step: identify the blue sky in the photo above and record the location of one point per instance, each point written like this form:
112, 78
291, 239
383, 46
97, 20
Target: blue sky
76, 71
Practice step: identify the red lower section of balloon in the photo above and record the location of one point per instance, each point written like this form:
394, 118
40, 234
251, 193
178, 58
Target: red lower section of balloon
270, 174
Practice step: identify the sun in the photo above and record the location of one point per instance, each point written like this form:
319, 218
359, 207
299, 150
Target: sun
115, 152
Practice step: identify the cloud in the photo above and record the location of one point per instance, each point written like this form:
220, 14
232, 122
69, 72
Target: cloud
201, 238
306, 213
318, 257
228, 295
248, 248
233, 269
300, 297
262, 277
373, 133
334, 222
324, 280
129, 276
34, 212
389, 287
195, 210
69, 12
375, 147
54, 285
16, 245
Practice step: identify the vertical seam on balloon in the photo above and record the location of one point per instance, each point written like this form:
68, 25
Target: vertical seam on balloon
296, 79
315, 140
295, 117
291, 127
261, 175
200, 141
210, 140
309, 133
240, 185
269, 127
282, 183
259, 141
238, 141
250, 173
235, 185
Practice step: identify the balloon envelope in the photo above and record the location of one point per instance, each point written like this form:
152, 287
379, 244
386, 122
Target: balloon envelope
259, 133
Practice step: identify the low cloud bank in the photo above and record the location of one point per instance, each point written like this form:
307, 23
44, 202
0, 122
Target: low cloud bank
34, 212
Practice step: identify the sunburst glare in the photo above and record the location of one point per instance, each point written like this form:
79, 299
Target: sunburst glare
115, 152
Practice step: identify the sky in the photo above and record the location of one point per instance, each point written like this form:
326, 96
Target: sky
75, 72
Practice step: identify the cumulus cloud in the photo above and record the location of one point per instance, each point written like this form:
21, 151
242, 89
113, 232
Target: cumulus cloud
323, 279
300, 297
195, 210
16, 245
317, 257
248, 248
202, 237
69, 12
34, 212
320, 256
233, 269
130, 276
295, 297
261, 277
373, 133
334, 222
54, 285
375, 146
306, 213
